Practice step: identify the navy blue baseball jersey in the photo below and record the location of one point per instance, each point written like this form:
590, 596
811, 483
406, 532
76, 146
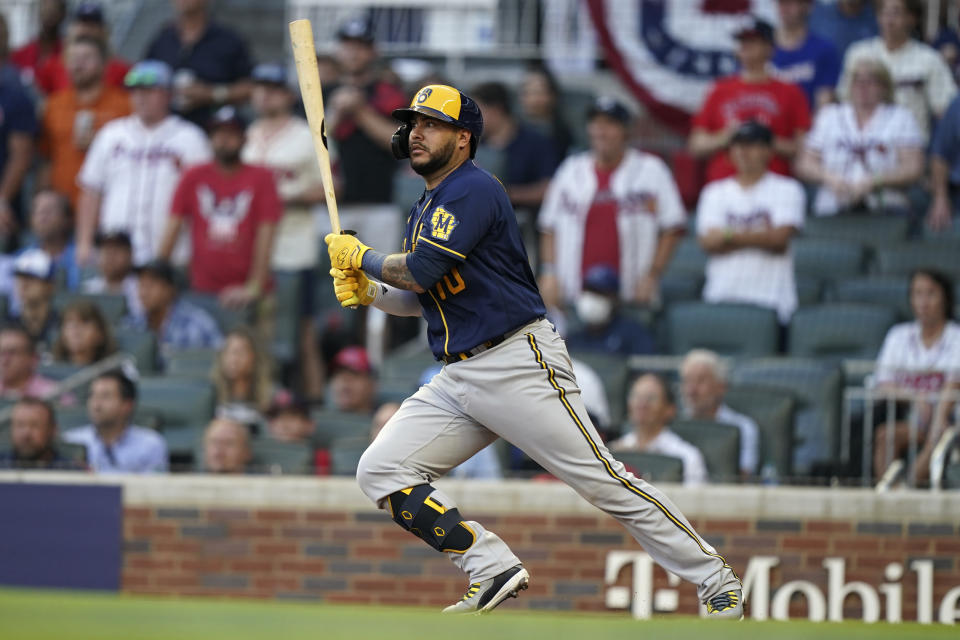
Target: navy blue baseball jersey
467, 222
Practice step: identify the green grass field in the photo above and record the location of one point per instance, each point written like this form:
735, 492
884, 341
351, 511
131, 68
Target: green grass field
56, 615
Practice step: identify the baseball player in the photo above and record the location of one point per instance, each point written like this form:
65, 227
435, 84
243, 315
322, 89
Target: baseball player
507, 373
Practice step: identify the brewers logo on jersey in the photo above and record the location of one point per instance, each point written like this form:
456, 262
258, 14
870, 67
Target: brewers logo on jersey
442, 223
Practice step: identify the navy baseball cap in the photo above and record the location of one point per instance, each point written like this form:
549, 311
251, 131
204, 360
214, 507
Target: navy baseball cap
272, 73
160, 269
755, 27
601, 278
149, 73
752, 131
226, 116
89, 12
358, 30
610, 107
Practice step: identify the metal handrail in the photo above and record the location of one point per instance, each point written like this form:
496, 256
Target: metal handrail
938, 461
85, 375
869, 396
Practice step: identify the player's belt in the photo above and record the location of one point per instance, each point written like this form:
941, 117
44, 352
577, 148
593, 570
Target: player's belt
489, 344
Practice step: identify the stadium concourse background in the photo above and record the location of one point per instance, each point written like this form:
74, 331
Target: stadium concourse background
818, 553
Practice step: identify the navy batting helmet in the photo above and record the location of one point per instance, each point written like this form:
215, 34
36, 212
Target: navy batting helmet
443, 103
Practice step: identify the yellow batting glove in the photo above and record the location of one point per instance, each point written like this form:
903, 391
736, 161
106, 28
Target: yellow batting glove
353, 287
346, 252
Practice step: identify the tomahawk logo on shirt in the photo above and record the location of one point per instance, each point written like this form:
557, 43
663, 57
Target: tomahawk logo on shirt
223, 217
442, 223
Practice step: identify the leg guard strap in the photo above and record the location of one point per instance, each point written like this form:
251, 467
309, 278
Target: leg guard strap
440, 527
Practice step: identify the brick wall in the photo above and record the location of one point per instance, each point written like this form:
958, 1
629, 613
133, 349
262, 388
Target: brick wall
345, 556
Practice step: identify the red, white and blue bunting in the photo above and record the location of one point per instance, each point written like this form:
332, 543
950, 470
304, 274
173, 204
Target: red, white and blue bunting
669, 52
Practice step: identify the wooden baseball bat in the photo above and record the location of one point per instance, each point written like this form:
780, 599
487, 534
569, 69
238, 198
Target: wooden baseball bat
305, 57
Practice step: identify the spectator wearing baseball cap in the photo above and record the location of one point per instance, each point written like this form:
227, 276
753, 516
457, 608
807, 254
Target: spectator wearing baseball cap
601, 325
751, 94
86, 21
133, 165
211, 62
353, 383
359, 120
115, 274
33, 272
612, 205
282, 142
177, 323
746, 222
232, 209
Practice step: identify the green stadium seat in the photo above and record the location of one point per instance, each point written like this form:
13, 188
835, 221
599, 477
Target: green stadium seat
399, 369
773, 413
688, 259
901, 260
286, 326
142, 345
185, 407
826, 258
840, 330
612, 370
113, 306
345, 455
680, 287
890, 291
193, 363
719, 444
227, 319
951, 476
287, 458
728, 329
816, 386
71, 418
58, 370
873, 231
407, 188
332, 425
809, 289
652, 467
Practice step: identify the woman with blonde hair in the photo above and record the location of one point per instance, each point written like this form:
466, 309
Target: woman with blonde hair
85, 336
864, 153
241, 375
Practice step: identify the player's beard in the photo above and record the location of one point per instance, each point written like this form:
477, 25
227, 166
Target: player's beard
436, 161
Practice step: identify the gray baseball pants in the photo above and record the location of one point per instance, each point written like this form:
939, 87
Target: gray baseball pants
524, 391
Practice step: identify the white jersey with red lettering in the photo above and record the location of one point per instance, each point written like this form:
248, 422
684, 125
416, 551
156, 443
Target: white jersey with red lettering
753, 276
907, 363
135, 169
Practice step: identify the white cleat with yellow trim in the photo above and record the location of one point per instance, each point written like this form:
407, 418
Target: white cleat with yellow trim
482, 597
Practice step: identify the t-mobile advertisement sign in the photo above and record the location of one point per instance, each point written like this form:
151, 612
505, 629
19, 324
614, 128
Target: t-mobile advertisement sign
61, 536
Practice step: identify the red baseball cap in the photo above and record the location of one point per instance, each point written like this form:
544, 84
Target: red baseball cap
354, 359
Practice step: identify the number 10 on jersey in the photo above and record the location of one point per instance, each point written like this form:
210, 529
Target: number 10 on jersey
450, 284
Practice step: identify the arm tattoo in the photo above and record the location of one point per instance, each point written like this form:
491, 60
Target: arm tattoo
396, 273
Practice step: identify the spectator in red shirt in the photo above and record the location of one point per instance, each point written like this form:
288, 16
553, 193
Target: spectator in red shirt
233, 209
753, 94
87, 22
47, 44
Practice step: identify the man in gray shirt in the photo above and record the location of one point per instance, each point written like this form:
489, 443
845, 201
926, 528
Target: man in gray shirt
113, 444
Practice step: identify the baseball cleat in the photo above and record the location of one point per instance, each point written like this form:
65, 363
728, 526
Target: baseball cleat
726, 604
482, 597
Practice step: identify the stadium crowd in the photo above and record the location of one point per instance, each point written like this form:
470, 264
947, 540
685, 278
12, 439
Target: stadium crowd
171, 209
